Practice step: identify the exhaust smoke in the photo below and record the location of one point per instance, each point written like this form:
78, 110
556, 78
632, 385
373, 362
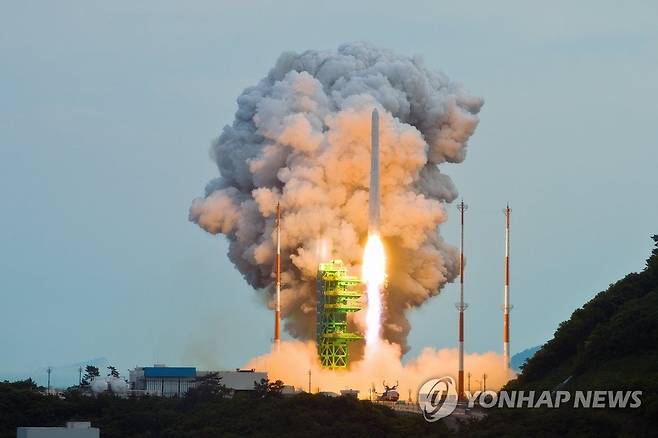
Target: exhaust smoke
292, 363
300, 137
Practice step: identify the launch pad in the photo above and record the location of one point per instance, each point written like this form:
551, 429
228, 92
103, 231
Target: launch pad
337, 296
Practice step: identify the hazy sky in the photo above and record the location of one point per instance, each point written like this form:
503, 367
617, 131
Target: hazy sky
107, 111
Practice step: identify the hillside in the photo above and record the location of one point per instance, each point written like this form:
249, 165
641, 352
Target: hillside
610, 343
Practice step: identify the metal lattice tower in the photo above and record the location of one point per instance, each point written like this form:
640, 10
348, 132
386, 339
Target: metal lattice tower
337, 297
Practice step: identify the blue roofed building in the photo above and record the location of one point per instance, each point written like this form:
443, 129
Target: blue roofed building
167, 381
162, 380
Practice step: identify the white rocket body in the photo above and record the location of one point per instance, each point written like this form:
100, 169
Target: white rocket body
373, 201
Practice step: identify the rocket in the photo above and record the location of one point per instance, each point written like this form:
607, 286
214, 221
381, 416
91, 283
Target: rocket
373, 201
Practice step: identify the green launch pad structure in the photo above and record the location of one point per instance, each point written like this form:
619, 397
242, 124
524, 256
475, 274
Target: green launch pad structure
337, 296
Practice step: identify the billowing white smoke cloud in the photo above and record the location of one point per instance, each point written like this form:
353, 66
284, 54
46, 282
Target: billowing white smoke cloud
293, 361
302, 137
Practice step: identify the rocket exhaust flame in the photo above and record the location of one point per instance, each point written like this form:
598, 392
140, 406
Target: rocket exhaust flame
374, 258
374, 274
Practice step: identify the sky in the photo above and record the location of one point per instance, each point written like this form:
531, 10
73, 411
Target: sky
108, 109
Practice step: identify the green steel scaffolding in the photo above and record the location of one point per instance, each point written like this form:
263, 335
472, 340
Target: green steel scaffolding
337, 296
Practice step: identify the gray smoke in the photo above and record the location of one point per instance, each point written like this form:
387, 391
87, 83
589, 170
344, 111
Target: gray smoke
302, 137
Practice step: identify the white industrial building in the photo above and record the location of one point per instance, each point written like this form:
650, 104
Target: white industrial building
167, 381
73, 429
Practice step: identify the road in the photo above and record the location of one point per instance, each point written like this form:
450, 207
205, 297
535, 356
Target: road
461, 412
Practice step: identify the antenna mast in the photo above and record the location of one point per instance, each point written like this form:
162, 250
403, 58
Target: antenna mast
506, 304
277, 311
461, 306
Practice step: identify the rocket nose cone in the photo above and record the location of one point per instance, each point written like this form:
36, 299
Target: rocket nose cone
375, 127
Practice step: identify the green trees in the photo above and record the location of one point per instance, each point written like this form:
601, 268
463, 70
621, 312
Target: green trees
301, 415
610, 343
265, 388
90, 372
208, 387
27, 384
113, 372
620, 321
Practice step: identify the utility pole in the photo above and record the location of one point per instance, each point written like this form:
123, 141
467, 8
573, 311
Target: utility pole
484, 382
49, 370
469, 382
461, 306
80, 376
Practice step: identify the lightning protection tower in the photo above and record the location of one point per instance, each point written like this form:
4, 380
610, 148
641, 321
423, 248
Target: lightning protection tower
461, 305
506, 302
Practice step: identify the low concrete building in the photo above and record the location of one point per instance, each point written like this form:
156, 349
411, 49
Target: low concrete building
239, 380
349, 392
73, 429
290, 390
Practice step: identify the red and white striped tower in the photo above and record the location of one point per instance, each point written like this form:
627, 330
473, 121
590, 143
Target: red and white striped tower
506, 305
277, 311
461, 306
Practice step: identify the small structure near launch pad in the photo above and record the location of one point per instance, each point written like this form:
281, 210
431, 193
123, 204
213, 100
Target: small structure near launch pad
337, 296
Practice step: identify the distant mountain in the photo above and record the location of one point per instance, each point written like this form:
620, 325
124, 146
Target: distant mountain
61, 376
520, 358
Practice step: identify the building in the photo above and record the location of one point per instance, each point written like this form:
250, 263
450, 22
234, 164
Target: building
167, 381
349, 393
290, 390
239, 380
162, 380
73, 429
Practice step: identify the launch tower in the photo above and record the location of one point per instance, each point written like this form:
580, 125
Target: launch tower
337, 296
